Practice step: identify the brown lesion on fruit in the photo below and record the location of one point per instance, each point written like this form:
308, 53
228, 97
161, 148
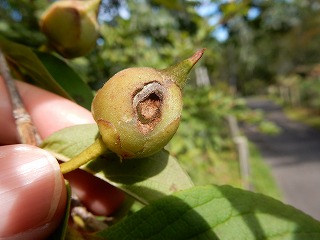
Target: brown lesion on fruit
147, 105
149, 109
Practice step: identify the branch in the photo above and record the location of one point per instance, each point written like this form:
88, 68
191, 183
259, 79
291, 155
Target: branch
27, 132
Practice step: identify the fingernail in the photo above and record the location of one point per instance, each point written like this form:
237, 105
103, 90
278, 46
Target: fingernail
31, 189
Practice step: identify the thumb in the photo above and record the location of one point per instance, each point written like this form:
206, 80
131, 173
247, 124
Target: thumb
32, 193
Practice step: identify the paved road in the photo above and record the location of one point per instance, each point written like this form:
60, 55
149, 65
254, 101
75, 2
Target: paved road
294, 157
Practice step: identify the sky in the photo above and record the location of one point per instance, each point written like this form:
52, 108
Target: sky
210, 10
207, 9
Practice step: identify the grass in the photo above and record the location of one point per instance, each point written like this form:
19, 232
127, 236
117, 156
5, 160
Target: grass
261, 177
304, 115
223, 169
204, 147
211, 168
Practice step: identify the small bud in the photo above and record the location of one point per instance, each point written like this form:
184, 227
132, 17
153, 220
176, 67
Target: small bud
71, 27
138, 110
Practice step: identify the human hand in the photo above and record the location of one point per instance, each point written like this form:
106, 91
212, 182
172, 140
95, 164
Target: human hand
32, 190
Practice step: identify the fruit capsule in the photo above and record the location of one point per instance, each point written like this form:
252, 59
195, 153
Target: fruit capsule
138, 110
71, 27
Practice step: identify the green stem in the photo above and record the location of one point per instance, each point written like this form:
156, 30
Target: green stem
92, 152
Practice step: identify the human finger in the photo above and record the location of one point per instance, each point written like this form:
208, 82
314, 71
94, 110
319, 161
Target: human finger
32, 193
98, 196
49, 112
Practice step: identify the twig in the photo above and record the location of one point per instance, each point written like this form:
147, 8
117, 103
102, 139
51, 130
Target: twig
27, 132
83, 218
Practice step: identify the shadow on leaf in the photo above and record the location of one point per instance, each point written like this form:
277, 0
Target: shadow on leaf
130, 171
216, 212
264, 217
168, 218
146, 179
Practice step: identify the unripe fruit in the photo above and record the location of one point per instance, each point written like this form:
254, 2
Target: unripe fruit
138, 110
71, 27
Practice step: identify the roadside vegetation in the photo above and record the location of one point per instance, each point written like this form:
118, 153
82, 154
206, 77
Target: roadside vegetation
204, 142
300, 96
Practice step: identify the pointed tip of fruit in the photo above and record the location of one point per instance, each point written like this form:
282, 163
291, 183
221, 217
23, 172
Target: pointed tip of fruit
195, 57
178, 73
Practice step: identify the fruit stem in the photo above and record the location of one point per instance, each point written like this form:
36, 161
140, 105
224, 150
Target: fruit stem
92, 152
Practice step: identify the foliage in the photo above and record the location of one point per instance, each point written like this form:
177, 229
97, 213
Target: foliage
159, 181
303, 115
146, 179
260, 175
300, 95
265, 38
197, 214
203, 142
212, 211
47, 71
298, 91
310, 93
130, 35
203, 136
19, 21
268, 38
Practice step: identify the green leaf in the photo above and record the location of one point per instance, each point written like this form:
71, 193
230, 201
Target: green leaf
77, 234
61, 231
214, 212
173, 4
74, 234
67, 78
24, 57
145, 179
70, 141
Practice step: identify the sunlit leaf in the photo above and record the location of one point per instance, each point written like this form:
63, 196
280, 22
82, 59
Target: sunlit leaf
67, 78
24, 58
213, 212
145, 179
71, 141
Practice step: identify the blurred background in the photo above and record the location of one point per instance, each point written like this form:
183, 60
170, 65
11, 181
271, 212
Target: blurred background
259, 77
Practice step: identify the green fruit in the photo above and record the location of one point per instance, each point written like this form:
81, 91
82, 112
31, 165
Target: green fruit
138, 110
71, 27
